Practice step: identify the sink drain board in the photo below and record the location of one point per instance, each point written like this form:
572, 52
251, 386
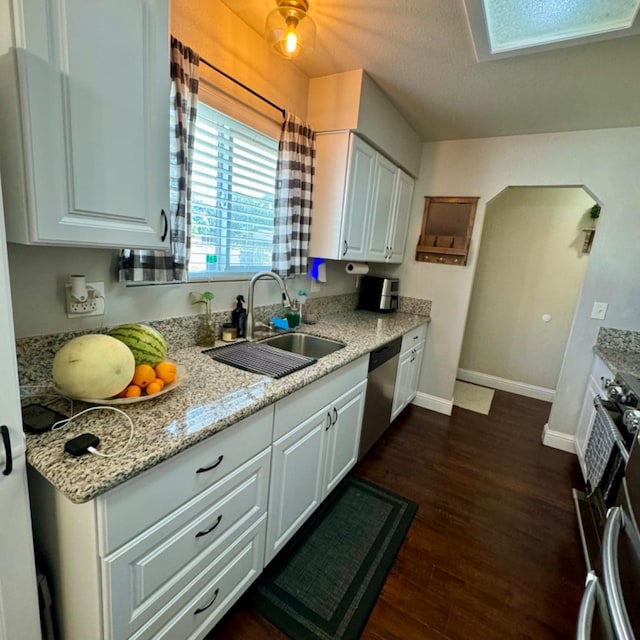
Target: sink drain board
260, 358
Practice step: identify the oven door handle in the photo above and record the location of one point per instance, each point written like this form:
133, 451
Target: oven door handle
593, 596
617, 521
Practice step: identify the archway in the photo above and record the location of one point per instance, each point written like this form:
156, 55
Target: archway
530, 270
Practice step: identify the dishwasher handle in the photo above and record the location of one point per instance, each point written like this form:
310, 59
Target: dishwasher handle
384, 353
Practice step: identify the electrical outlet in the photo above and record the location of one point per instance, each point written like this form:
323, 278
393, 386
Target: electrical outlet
599, 311
92, 306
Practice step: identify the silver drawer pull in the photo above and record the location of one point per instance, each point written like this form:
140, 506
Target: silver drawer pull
200, 610
213, 466
208, 531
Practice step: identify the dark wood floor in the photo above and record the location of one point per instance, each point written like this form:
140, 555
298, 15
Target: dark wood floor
493, 551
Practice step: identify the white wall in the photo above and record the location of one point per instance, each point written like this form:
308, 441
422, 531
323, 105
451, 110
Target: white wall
530, 264
38, 276
606, 162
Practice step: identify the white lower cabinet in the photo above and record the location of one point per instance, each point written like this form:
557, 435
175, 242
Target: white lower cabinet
143, 577
409, 366
316, 439
218, 584
165, 554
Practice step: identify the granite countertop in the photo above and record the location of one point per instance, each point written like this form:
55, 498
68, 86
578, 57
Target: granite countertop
619, 361
213, 397
619, 349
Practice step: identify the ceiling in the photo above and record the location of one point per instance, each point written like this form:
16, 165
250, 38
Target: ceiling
422, 55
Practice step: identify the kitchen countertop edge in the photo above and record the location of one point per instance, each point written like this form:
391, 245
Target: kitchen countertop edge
619, 360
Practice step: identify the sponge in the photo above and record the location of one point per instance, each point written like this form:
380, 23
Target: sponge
280, 323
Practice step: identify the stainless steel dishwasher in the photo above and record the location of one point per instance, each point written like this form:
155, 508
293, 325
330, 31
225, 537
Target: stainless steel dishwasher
383, 366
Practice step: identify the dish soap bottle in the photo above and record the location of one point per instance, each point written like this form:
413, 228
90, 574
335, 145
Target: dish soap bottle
239, 317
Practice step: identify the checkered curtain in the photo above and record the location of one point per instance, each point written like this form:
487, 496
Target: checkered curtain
293, 197
159, 266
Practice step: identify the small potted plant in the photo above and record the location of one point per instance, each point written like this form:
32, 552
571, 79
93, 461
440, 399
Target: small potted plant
594, 214
207, 330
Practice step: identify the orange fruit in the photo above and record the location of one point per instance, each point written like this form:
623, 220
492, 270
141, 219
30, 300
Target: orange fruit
143, 375
166, 371
132, 391
159, 381
154, 387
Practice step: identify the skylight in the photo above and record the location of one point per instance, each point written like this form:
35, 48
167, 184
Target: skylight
514, 27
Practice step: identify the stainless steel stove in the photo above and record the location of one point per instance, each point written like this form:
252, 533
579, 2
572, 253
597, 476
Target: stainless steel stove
608, 511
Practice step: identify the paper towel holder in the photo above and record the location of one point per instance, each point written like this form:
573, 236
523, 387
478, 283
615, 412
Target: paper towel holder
357, 268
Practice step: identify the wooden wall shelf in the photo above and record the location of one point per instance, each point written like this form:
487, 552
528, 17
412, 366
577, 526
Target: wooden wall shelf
447, 225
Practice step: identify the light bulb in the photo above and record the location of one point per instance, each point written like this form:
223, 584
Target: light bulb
291, 41
289, 30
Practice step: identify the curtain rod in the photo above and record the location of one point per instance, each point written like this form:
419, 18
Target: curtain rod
244, 86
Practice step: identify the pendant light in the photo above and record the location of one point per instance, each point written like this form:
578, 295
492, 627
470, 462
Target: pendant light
289, 30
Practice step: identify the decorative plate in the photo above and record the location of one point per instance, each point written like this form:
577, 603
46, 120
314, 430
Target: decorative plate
181, 376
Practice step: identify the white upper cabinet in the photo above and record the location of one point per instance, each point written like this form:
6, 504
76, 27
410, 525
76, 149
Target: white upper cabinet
361, 201
362, 196
384, 187
399, 223
84, 138
390, 210
358, 199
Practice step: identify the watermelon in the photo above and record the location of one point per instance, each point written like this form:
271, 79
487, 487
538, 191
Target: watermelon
93, 366
147, 345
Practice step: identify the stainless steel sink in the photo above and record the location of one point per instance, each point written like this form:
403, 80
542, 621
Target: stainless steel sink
304, 345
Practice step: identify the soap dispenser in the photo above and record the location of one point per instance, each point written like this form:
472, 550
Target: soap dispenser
239, 317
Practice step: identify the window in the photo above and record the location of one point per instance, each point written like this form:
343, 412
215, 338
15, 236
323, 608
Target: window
232, 196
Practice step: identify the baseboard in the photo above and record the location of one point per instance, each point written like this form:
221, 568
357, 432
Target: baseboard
558, 440
494, 382
426, 401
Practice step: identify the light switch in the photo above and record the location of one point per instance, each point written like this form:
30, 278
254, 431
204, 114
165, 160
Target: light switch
599, 311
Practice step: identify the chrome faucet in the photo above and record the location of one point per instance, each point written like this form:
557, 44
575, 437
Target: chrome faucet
286, 300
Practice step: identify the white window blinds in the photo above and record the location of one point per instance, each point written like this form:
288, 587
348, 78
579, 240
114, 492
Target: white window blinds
232, 197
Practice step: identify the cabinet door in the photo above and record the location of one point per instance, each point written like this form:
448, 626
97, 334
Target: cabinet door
95, 120
382, 209
414, 378
403, 377
344, 435
358, 198
296, 479
399, 223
